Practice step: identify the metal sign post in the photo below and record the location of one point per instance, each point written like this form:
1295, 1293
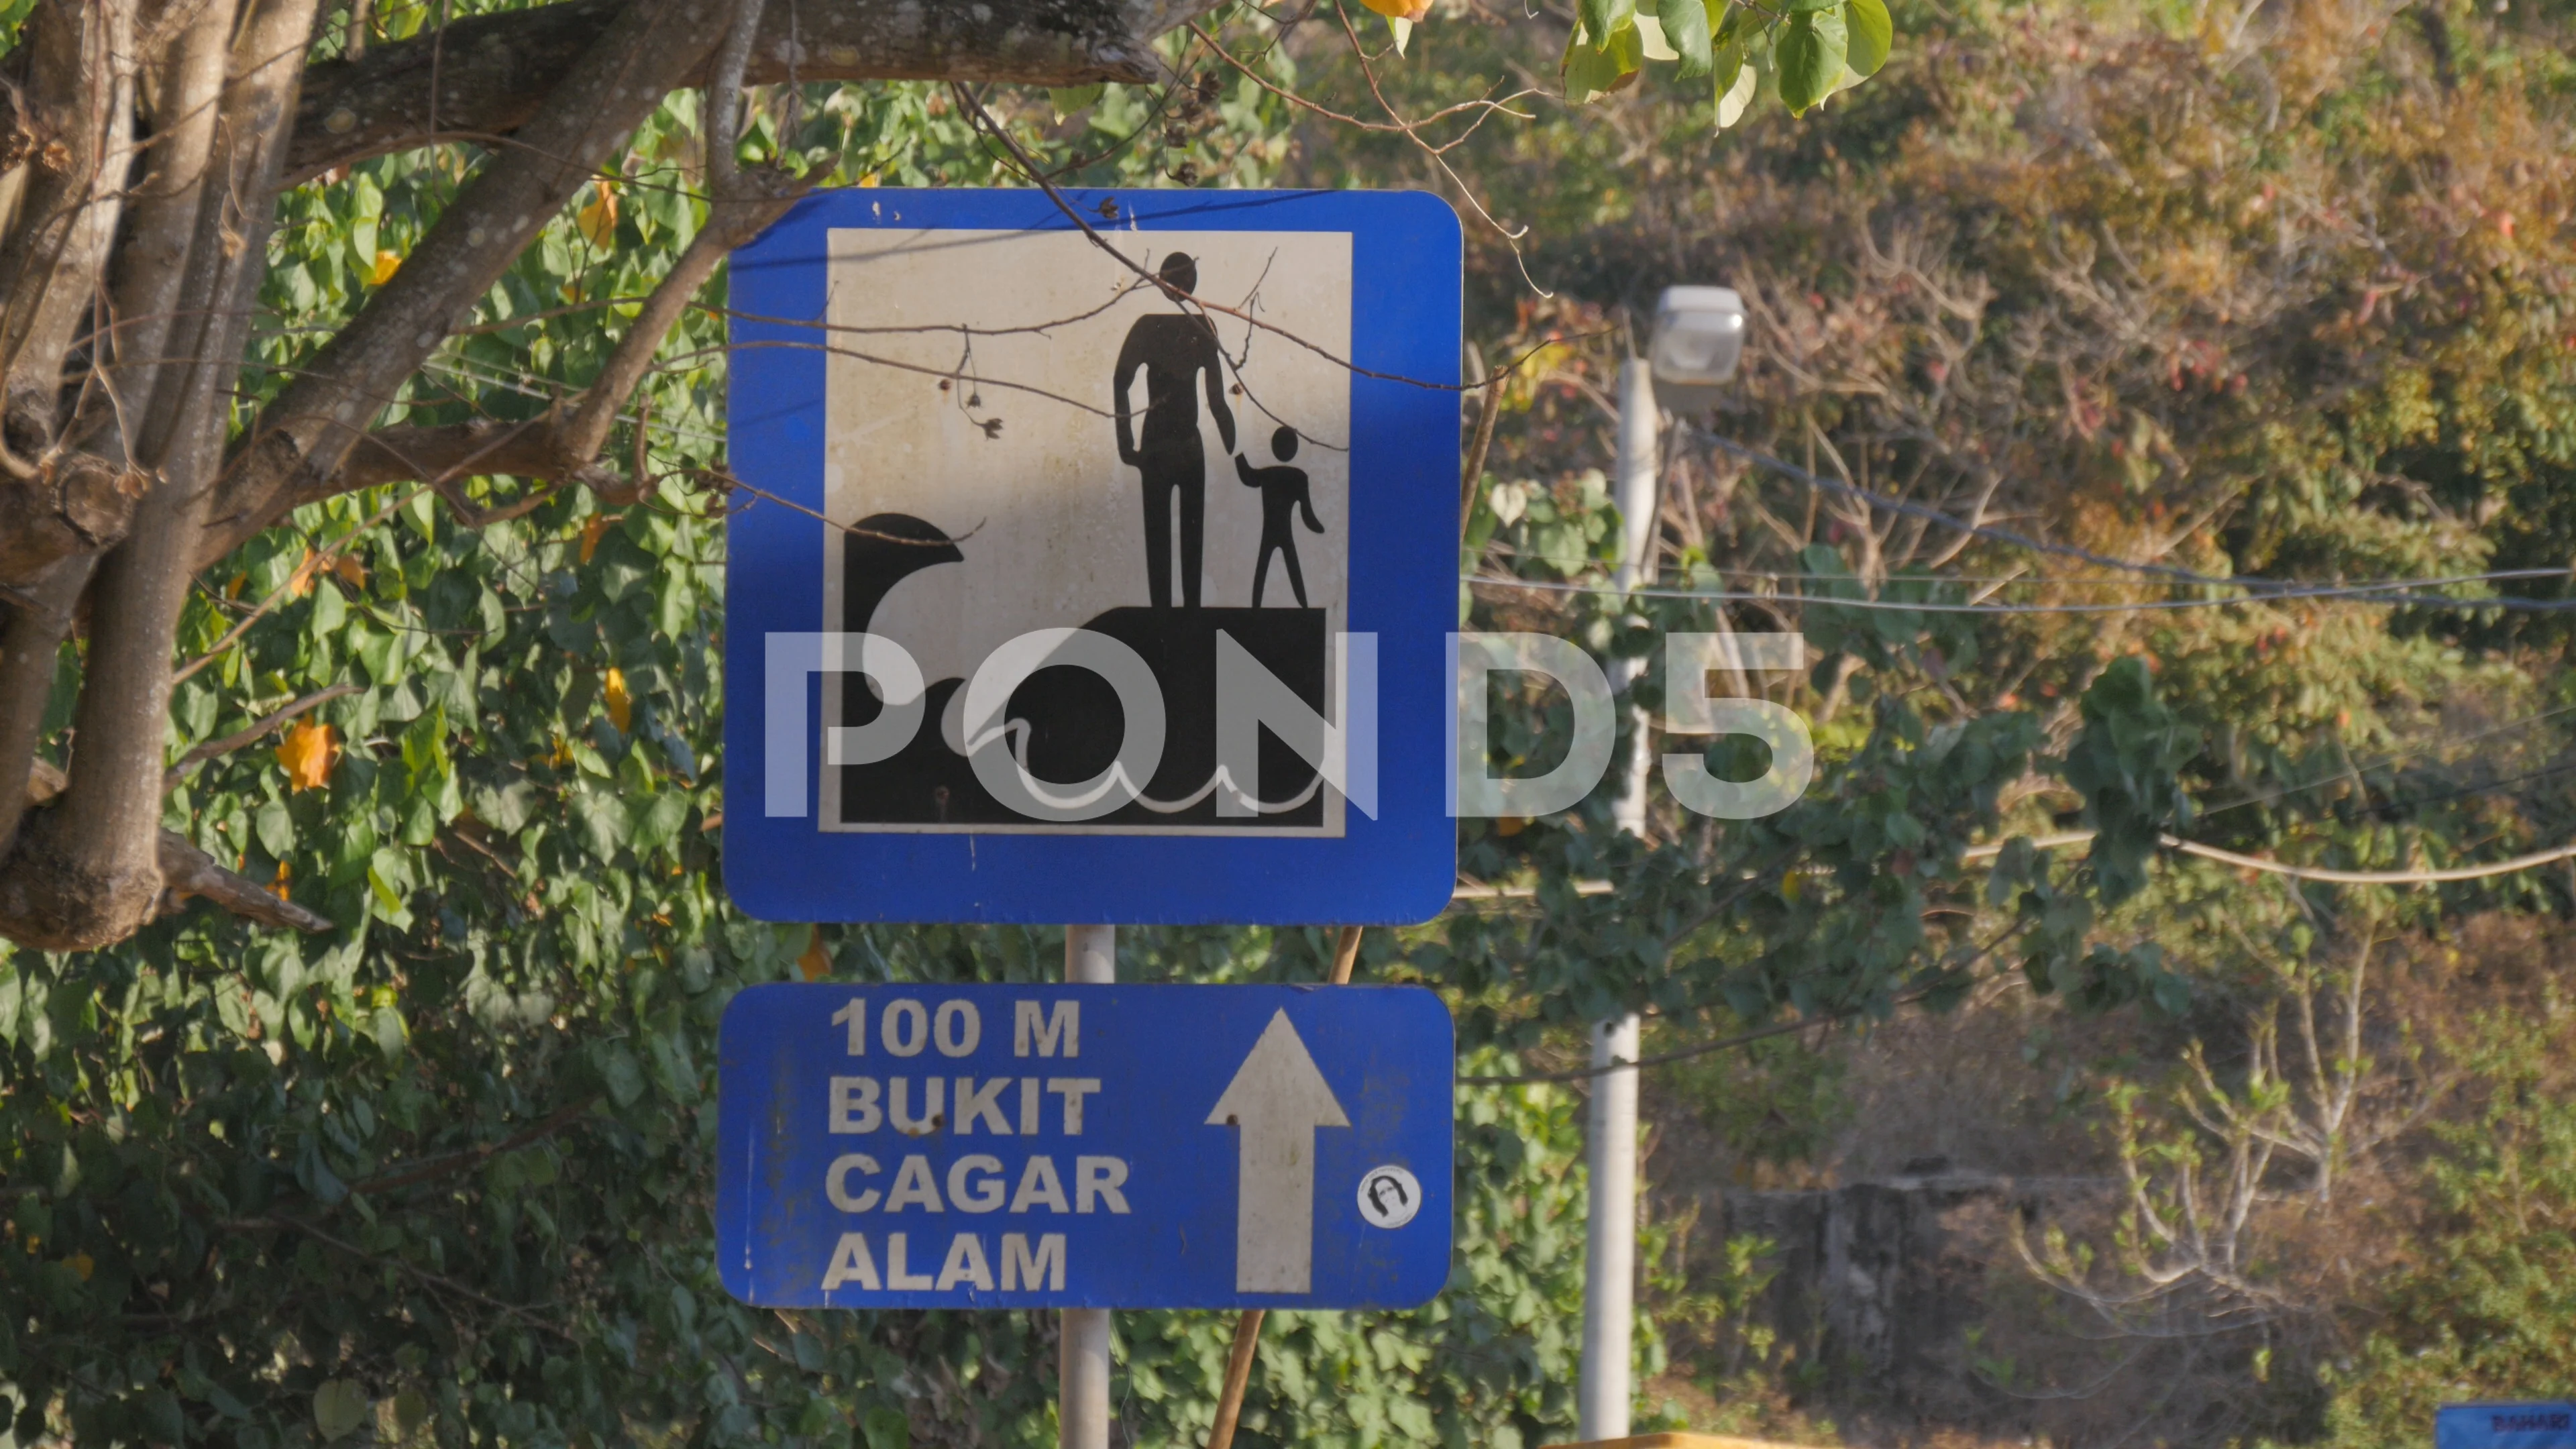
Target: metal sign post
1082, 1340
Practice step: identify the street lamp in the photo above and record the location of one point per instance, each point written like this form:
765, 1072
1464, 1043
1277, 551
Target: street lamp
1698, 338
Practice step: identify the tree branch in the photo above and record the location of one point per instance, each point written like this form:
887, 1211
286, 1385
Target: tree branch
304, 435
187, 871
454, 1162
495, 72
213, 749
739, 207
78, 109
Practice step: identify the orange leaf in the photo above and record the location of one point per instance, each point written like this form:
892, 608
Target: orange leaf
300, 582
351, 572
278, 888
816, 963
598, 221
621, 705
308, 754
590, 532
387, 263
1400, 9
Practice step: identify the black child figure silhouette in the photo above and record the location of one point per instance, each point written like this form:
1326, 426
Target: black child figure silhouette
1178, 354
1283, 495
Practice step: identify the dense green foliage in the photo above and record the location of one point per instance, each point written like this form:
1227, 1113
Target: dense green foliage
2279, 292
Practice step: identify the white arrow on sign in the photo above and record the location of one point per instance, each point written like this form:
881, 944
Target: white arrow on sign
1278, 1098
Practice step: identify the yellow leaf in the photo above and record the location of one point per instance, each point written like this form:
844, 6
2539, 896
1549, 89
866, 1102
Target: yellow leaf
1792, 888
351, 572
621, 705
1408, 10
561, 759
868, 180
82, 1265
387, 263
300, 583
590, 532
598, 221
816, 963
308, 754
277, 888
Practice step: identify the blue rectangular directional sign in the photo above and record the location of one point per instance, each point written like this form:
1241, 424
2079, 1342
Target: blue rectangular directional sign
1095, 557
1084, 1146
2505, 1426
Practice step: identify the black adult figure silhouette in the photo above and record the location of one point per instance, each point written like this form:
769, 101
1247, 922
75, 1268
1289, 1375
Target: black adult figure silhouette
1174, 351
1283, 494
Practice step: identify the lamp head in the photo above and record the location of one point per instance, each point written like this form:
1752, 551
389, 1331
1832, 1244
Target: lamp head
1697, 340
1698, 336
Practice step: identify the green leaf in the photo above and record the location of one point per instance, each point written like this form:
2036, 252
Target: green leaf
1604, 19
505, 808
1736, 83
386, 1029
618, 1071
1069, 99
330, 611
662, 820
620, 564
886, 1428
1808, 57
604, 822
1588, 72
275, 828
1872, 33
1686, 30
340, 1408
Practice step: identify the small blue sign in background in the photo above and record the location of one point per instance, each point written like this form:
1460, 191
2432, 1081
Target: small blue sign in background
2505, 1426
1404, 313
1093, 1175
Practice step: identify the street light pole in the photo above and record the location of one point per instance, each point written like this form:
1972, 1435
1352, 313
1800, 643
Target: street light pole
1698, 335
1082, 1344
1610, 1216
1640, 504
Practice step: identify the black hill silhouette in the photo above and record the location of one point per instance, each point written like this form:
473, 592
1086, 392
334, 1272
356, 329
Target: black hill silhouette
1075, 725
1178, 353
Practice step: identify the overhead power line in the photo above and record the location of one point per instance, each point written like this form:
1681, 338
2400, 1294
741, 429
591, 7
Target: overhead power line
2251, 583
2393, 593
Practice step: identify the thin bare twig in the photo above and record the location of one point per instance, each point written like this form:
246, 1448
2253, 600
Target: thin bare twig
189, 762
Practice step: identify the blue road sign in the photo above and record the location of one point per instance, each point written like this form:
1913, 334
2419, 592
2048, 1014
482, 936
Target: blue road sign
1084, 1146
2505, 1426
1093, 575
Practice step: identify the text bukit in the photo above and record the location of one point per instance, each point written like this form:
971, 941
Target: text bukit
890, 1182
